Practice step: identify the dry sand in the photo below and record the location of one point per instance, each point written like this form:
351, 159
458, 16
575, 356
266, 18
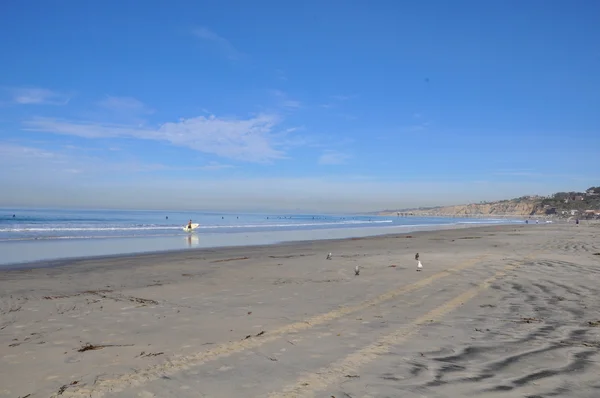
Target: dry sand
504, 311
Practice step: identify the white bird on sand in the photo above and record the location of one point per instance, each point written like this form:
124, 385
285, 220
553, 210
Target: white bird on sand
419, 266
357, 270
329, 256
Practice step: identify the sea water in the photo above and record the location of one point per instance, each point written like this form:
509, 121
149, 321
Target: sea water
28, 235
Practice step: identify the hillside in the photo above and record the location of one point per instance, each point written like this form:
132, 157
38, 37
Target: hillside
562, 204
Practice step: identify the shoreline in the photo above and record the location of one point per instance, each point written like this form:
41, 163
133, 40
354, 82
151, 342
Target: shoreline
65, 261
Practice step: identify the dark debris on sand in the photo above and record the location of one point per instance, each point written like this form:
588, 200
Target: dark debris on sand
150, 354
63, 388
530, 320
256, 335
230, 259
94, 347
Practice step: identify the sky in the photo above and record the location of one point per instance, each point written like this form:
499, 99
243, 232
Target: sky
296, 105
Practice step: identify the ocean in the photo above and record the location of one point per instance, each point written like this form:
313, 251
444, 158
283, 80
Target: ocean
28, 235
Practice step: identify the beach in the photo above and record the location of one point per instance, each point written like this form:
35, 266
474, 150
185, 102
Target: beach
496, 311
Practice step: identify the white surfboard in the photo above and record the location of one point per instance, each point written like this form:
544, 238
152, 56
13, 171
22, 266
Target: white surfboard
187, 229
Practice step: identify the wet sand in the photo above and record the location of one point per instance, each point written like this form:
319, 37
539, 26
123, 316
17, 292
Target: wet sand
501, 311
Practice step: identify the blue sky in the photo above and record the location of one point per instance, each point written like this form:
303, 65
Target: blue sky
329, 105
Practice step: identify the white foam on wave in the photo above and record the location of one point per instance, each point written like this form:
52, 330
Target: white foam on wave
171, 227
483, 221
75, 237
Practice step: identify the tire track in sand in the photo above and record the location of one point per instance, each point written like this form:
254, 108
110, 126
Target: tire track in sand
321, 379
184, 362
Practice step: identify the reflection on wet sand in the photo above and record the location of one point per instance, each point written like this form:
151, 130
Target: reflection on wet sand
192, 240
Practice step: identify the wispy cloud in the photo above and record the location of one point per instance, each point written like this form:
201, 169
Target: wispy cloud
291, 104
331, 157
517, 173
536, 176
34, 161
15, 151
38, 96
216, 166
284, 100
336, 99
249, 140
222, 43
22, 160
124, 104
70, 178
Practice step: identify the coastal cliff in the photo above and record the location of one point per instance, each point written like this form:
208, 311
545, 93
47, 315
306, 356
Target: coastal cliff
514, 207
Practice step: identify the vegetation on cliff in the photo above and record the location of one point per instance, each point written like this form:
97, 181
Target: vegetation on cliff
566, 204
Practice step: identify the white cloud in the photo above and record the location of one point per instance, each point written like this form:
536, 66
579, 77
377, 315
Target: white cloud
81, 128
333, 157
124, 104
250, 140
224, 45
38, 96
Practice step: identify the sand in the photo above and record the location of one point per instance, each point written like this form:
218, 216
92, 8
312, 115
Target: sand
503, 311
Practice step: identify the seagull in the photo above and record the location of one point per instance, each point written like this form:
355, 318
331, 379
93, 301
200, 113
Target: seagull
357, 270
419, 266
329, 256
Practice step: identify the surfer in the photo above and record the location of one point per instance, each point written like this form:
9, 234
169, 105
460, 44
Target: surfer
190, 225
